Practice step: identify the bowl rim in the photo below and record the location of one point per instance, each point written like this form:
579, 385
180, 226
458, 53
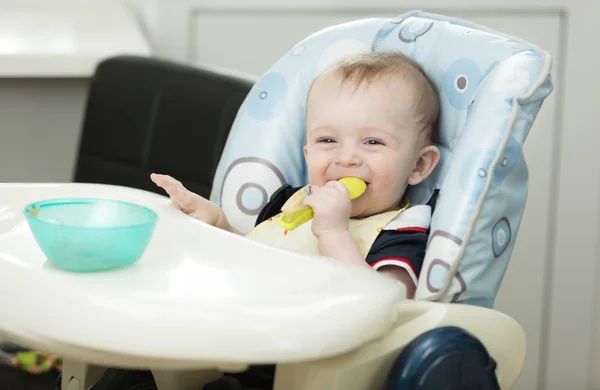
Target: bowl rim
153, 215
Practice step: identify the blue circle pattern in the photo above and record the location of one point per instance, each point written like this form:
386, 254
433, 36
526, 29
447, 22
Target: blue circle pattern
413, 29
508, 162
460, 81
251, 198
501, 235
474, 173
267, 97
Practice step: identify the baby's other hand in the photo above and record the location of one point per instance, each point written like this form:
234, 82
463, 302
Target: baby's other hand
331, 205
190, 203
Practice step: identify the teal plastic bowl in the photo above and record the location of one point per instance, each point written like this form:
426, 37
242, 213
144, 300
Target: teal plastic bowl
86, 234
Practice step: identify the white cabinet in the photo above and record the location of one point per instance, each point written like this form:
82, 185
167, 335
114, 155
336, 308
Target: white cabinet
553, 301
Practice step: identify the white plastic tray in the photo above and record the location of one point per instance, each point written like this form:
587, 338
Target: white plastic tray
199, 294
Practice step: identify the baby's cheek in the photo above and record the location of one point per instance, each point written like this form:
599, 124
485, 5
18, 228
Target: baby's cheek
385, 173
391, 186
316, 176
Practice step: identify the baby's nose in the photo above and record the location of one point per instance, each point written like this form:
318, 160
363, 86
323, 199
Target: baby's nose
348, 157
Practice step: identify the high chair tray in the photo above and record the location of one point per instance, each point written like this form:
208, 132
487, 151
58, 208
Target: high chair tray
198, 293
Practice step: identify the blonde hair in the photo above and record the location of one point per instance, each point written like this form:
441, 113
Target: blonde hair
364, 68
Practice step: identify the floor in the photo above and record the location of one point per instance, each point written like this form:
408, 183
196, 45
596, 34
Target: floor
13, 379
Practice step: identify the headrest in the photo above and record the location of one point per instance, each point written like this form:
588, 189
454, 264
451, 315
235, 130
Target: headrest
491, 87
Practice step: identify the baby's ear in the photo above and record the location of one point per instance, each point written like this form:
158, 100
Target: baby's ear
428, 159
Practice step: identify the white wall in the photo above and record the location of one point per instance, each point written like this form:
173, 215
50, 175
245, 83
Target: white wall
147, 14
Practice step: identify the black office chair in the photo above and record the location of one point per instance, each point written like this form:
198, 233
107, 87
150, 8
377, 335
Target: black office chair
147, 115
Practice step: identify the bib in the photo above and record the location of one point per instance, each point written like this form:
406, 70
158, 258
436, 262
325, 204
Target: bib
301, 240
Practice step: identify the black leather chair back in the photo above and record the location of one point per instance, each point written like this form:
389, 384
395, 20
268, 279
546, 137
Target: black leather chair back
146, 115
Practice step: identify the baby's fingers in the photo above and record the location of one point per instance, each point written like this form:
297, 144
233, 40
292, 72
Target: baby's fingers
159, 180
338, 186
165, 181
182, 198
319, 200
309, 201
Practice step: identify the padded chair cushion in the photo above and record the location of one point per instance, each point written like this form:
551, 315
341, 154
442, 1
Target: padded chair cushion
491, 88
147, 115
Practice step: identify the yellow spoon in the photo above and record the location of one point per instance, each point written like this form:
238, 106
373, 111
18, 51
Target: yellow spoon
295, 218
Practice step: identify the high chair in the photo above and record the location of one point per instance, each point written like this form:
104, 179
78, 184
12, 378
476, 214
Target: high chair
202, 301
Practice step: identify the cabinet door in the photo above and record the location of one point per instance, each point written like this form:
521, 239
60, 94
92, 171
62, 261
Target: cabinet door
254, 39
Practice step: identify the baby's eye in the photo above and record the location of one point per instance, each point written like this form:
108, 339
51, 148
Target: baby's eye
326, 140
374, 142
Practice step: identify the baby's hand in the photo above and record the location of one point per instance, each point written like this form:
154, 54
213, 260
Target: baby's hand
190, 203
331, 205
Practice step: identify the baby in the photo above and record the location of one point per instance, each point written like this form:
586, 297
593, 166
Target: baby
370, 116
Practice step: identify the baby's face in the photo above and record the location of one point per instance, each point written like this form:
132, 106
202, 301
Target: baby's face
369, 133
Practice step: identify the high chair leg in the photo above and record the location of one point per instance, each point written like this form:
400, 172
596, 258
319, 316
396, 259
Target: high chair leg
80, 376
184, 380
